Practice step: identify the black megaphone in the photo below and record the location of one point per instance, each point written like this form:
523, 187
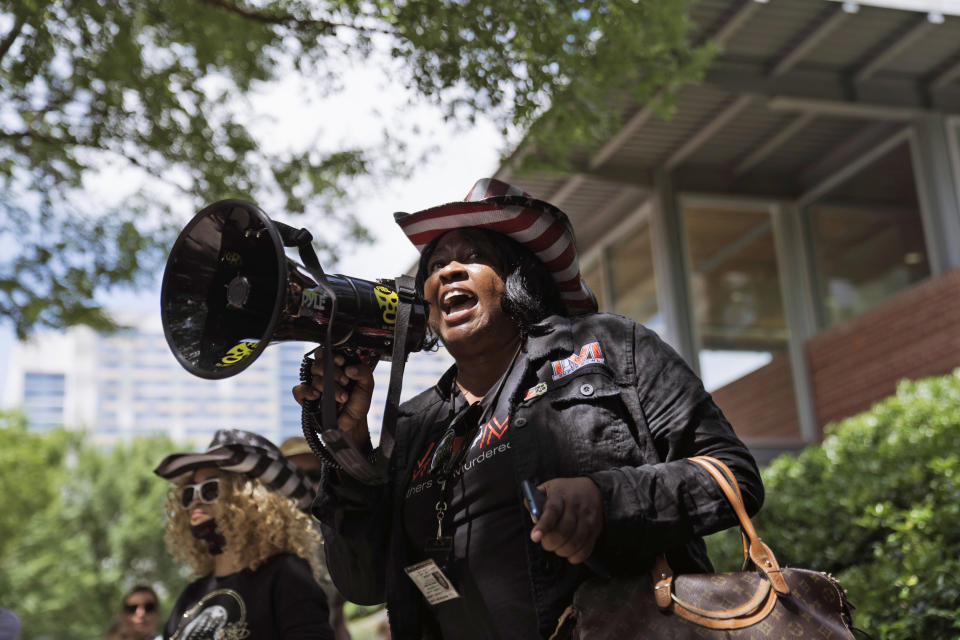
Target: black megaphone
229, 291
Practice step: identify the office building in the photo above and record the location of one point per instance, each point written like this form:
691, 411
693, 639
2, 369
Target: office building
127, 384
794, 229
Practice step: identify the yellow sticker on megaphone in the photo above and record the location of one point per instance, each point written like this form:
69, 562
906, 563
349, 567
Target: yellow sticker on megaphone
387, 300
238, 352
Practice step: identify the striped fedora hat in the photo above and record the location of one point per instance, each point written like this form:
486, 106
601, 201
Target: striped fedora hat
537, 225
247, 453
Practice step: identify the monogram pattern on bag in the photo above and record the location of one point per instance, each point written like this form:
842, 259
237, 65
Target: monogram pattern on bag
816, 610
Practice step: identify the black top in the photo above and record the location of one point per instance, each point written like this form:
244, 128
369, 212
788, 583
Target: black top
489, 559
280, 599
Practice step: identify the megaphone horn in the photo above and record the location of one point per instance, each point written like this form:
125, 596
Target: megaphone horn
229, 290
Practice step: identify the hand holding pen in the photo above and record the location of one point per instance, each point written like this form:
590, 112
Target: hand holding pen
568, 517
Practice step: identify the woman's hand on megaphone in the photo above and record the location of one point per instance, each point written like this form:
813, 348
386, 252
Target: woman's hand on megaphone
353, 393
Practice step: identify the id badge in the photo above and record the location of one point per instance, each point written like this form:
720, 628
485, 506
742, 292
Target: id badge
432, 582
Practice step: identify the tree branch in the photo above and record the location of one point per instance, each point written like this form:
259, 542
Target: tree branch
39, 137
73, 142
288, 19
11, 37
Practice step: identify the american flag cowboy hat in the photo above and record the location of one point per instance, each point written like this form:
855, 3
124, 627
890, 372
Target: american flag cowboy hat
246, 453
537, 225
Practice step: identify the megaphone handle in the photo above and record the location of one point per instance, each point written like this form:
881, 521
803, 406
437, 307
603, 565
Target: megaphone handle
306, 376
340, 451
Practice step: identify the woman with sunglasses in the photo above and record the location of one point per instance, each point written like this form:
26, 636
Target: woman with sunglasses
139, 615
591, 414
235, 515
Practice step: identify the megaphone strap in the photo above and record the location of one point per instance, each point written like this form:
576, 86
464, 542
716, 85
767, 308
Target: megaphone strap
340, 452
342, 449
405, 291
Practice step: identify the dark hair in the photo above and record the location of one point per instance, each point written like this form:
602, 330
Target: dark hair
531, 292
141, 588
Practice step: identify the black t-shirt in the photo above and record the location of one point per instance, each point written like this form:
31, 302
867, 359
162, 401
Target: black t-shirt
489, 562
279, 600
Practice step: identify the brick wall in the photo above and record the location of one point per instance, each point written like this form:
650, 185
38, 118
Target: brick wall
761, 405
912, 335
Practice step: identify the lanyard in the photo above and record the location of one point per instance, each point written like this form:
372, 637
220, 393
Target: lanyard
444, 543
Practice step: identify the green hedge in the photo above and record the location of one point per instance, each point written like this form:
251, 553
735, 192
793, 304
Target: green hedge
878, 506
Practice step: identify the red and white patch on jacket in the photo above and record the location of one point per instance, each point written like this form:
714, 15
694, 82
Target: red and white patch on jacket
589, 354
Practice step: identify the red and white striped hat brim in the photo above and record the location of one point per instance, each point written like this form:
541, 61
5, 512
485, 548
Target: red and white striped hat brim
248, 454
537, 225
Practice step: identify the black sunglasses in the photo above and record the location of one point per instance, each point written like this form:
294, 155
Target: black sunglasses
149, 607
208, 491
445, 459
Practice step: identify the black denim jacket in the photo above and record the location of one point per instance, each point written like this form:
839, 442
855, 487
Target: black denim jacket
627, 422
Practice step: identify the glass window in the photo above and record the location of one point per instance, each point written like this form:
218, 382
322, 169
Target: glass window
43, 384
623, 280
594, 278
43, 396
633, 288
868, 237
735, 288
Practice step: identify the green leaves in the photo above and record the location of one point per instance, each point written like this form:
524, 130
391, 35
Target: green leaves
144, 90
153, 97
79, 526
877, 505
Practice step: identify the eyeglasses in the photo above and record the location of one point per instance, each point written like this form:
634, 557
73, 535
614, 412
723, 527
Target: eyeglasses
446, 459
207, 491
148, 607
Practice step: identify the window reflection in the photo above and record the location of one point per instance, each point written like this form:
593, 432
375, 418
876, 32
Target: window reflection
735, 289
594, 279
623, 280
632, 285
868, 237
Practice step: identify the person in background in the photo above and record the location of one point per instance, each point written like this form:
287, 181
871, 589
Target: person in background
592, 409
9, 625
297, 451
140, 613
235, 515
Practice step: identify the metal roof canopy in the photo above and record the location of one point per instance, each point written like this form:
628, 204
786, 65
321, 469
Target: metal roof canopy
800, 88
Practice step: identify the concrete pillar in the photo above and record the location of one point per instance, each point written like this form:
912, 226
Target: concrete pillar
937, 186
670, 267
796, 281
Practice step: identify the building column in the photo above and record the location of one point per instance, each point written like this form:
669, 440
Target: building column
799, 304
937, 186
670, 270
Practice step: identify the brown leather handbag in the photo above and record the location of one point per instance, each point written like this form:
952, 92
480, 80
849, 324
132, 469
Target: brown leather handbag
761, 601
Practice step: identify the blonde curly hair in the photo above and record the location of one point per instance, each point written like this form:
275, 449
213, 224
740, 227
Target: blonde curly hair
257, 523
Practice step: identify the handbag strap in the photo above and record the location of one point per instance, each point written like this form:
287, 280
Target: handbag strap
757, 554
761, 555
